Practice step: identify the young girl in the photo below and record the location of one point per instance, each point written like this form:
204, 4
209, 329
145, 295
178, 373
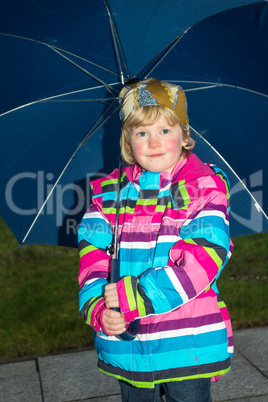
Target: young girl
173, 243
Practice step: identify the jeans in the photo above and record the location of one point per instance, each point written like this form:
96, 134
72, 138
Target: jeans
197, 390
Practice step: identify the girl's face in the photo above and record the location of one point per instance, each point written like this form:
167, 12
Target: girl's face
157, 147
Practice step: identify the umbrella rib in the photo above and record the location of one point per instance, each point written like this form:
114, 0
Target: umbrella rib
211, 85
80, 68
214, 85
257, 205
81, 58
190, 28
63, 50
52, 99
146, 76
169, 48
59, 52
176, 40
201, 88
104, 100
244, 89
94, 128
117, 44
48, 196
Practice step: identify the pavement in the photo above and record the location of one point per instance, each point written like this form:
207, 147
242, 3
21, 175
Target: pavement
69, 377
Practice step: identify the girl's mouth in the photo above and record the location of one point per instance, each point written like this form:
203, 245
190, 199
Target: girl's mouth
156, 155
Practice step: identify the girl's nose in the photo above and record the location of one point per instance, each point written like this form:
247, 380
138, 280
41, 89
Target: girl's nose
154, 142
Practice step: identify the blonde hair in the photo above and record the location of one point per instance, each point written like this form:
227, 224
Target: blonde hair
147, 116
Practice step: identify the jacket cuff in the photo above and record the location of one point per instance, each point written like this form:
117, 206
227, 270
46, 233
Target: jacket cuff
94, 315
132, 300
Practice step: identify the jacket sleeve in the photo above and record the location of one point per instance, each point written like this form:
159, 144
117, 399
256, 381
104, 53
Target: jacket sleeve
94, 237
195, 261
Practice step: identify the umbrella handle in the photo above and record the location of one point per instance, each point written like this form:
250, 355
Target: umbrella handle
133, 328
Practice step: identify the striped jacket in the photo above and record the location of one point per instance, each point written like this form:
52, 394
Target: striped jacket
174, 241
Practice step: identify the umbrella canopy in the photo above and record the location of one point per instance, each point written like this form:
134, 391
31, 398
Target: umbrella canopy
62, 67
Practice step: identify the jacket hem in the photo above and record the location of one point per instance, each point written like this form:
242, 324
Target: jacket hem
149, 380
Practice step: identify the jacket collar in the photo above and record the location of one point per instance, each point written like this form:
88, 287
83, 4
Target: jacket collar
187, 169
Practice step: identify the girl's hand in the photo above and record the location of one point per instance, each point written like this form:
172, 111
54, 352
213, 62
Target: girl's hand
113, 322
111, 296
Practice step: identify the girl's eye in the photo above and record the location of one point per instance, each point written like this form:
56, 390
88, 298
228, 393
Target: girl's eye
165, 131
141, 134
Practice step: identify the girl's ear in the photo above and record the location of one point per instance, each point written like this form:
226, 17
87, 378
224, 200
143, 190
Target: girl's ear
185, 142
186, 139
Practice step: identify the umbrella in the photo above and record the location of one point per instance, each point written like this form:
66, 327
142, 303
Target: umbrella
62, 67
